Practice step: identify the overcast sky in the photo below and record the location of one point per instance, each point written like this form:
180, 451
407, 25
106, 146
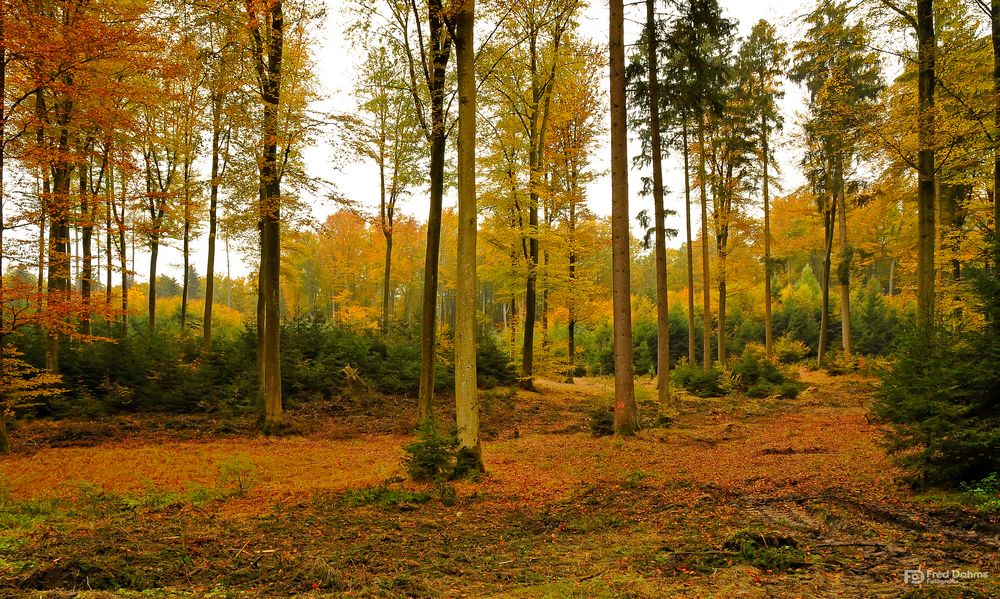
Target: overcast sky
336, 66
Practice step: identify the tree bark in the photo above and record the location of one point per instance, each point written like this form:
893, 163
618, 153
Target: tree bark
926, 50
440, 52
844, 272
626, 419
692, 336
213, 220
829, 221
571, 324
87, 272
270, 215
58, 246
108, 259
186, 244
386, 226
768, 321
470, 458
154, 252
705, 271
387, 282
995, 36
662, 306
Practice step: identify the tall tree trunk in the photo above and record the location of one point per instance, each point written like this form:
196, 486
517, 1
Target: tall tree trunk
270, 215
926, 50
46, 191
995, 35
692, 338
706, 277
766, 184
109, 192
513, 326
213, 219
662, 307
571, 324
470, 458
441, 50
261, 319
154, 254
4, 442
387, 281
844, 273
123, 256
186, 245
387, 233
87, 272
723, 297
829, 222
626, 418
892, 276
428, 319
58, 248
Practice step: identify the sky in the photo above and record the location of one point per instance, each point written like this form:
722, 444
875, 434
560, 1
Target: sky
336, 66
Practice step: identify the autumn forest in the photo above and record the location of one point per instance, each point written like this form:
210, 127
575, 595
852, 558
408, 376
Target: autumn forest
506, 298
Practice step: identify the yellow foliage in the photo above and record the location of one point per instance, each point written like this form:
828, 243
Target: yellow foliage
23, 385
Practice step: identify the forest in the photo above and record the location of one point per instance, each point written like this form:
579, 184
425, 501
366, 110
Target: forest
507, 298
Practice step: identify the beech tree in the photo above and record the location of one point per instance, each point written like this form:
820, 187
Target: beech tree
528, 62
267, 44
626, 417
922, 22
466, 392
387, 132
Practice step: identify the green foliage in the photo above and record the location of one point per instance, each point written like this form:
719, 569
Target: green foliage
700, 382
762, 390
760, 377
237, 475
431, 458
984, 495
875, 324
171, 371
602, 421
799, 312
384, 496
599, 357
635, 478
838, 363
767, 551
791, 389
790, 350
940, 400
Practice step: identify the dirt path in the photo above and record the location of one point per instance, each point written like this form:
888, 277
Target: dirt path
738, 497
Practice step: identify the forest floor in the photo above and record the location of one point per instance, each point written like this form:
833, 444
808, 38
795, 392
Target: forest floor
737, 497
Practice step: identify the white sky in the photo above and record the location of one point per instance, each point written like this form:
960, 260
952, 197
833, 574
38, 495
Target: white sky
336, 66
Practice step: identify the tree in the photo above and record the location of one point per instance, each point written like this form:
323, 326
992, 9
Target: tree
220, 51
574, 128
698, 36
842, 79
387, 133
626, 418
763, 63
466, 395
534, 50
267, 28
656, 145
923, 26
